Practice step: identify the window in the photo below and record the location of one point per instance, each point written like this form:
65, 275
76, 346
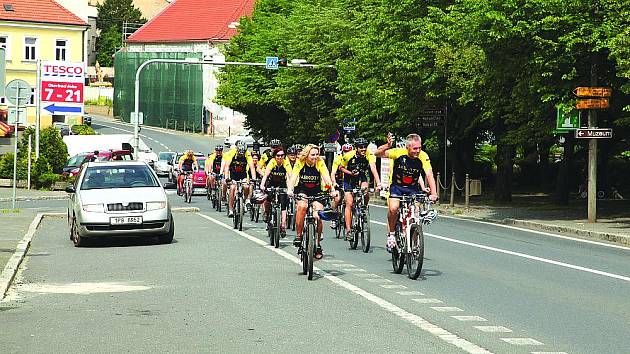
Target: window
31, 100
61, 46
4, 43
30, 48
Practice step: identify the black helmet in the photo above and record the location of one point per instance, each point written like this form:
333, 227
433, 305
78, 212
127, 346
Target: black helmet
218, 148
292, 151
275, 143
361, 142
241, 148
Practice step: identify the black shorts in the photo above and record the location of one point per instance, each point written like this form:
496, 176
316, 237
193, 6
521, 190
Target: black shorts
282, 198
309, 192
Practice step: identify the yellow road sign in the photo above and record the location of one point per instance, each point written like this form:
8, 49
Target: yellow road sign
592, 103
593, 91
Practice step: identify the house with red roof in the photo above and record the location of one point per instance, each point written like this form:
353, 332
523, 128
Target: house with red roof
38, 30
174, 93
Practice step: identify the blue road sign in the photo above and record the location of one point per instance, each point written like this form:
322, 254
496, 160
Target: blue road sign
53, 108
271, 63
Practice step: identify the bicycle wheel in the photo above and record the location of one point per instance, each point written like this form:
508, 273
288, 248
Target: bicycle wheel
365, 231
354, 231
341, 225
270, 231
303, 255
398, 255
236, 214
257, 214
188, 193
219, 200
252, 212
241, 207
276, 227
310, 248
209, 195
416, 257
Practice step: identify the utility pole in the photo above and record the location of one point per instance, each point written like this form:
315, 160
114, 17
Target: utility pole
592, 151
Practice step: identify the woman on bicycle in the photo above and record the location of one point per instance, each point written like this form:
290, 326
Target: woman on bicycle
307, 177
276, 175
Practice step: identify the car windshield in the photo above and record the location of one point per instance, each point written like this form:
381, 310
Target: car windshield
75, 160
106, 177
165, 156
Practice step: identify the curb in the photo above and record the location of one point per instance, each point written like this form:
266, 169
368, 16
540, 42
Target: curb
26, 199
8, 274
594, 235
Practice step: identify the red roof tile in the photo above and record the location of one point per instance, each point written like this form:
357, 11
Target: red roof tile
194, 20
41, 11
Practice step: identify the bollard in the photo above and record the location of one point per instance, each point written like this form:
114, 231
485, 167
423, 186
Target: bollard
30, 149
175, 125
184, 126
467, 190
453, 189
437, 186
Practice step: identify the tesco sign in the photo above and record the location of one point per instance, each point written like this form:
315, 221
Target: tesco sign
63, 69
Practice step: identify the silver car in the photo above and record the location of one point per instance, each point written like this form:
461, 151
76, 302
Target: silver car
118, 198
161, 166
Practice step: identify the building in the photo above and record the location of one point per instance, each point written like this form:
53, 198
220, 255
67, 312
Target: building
87, 11
173, 92
39, 30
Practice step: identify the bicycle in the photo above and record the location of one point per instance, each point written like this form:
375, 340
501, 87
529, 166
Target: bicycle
275, 218
291, 214
214, 194
306, 250
239, 205
254, 210
188, 186
415, 211
340, 230
360, 224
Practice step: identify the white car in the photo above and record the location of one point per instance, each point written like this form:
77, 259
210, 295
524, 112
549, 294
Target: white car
118, 198
244, 137
161, 166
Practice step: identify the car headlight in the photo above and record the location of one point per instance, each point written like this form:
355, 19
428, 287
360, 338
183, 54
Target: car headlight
93, 208
155, 205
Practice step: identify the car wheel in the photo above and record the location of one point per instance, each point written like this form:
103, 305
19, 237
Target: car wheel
77, 239
168, 237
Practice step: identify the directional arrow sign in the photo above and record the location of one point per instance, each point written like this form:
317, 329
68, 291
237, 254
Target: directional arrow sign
54, 109
594, 133
593, 91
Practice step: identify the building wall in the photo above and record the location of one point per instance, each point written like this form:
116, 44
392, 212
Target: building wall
47, 34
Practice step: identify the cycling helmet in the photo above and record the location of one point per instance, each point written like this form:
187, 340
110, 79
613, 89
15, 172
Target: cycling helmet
189, 153
328, 214
274, 143
255, 155
401, 144
299, 147
218, 148
258, 197
346, 147
241, 148
292, 151
361, 142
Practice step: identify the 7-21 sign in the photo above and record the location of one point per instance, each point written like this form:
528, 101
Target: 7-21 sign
62, 92
62, 85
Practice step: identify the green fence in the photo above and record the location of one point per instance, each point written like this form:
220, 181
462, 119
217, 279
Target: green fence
171, 95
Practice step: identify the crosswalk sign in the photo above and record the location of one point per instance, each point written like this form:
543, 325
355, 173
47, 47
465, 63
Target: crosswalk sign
271, 63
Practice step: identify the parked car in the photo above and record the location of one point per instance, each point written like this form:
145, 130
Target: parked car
244, 137
172, 171
106, 155
63, 128
199, 177
73, 164
118, 198
161, 166
87, 120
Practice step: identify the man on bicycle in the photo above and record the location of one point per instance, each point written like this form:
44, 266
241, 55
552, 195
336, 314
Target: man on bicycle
276, 175
292, 155
236, 163
213, 166
267, 155
308, 174
408, 166
187, 164
336, 175
356, 166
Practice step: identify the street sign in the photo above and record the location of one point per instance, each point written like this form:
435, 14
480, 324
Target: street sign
594, 133
19, 115
134, 118
593, 91
271, 63
24, 93
592, 103
432, 117
567, 120
330, 147
62, 86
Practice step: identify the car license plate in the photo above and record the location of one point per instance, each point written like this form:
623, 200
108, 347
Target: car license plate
125, 220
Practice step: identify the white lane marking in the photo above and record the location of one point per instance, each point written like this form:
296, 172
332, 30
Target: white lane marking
549, 353
529, 230
393, 286
523, 255
332, 261
521, 341
353, 270
469, 318
141, 135
415, 320
446, 309
368, 275
493, 329
427, 301
379, 280
128, 124
80, 288
346, 265
409, 293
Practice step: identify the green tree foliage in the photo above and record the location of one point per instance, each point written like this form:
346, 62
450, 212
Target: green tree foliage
500, 67
111, 16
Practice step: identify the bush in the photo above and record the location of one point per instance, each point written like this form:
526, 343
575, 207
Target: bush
82, 129
46, 180
6, 166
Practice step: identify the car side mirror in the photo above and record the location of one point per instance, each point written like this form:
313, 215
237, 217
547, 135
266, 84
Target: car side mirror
170, 163
70, 189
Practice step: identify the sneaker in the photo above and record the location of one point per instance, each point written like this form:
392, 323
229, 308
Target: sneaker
248, 206
297, 241
319, 253
230, 214
391, 243
333, 224
283, 232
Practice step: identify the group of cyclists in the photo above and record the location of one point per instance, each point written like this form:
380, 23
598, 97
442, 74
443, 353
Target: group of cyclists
301, 170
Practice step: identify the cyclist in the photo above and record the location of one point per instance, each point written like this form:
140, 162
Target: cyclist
292, 155
187, 163
268, 154
277, 173
213, 167
306, 179
356, 166
337, 176
236, 163
408, 166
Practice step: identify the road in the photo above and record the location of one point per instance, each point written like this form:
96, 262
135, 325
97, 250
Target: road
484, 288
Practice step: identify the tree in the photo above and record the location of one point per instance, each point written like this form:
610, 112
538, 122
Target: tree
111, 16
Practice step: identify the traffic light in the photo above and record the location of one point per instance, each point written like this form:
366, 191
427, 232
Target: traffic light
282, 62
